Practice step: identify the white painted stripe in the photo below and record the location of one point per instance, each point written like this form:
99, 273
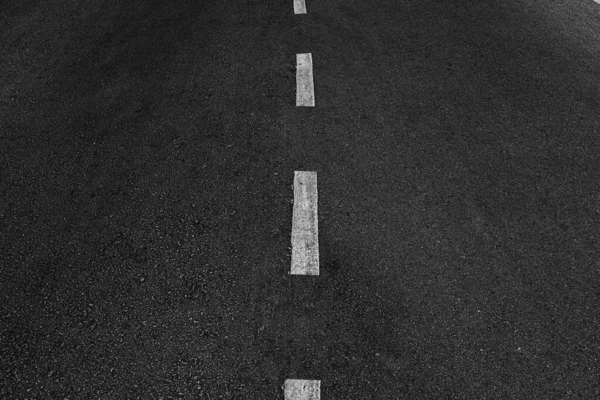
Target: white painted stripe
299, 7
299, 389
305, 225
305, 95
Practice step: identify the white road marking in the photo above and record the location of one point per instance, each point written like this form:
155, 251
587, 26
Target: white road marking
305, 225
305, 95
299, 7
300, 389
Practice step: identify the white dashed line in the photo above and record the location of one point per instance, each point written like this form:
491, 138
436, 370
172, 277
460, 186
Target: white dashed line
305, 95
305, 225
299, 389
299, 7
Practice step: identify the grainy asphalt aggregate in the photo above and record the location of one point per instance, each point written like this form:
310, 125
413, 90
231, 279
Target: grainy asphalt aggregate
147, 153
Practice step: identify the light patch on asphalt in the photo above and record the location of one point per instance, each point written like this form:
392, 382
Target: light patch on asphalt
305, 95
299, 389
299, 7
305, 225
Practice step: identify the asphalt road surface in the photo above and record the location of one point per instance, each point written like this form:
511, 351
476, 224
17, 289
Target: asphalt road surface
147, 154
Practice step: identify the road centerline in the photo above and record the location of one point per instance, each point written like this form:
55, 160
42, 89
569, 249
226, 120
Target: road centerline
305, 225
305, 94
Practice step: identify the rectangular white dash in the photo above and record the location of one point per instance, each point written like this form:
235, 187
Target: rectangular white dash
299, 7
305, 95
299, 389
305, 225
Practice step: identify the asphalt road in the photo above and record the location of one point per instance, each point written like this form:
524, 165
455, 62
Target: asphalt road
147, 153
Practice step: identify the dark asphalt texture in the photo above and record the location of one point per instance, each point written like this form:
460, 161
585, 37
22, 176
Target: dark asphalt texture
147, 152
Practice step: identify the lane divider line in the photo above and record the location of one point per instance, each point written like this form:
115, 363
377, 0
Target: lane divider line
305, 94
305, 225
300, 389
299, 7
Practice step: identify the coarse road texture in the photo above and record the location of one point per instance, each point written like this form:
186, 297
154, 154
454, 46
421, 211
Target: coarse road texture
147, 155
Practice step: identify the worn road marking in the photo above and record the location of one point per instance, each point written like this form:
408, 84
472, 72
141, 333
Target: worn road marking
299, 389
305, 225
305, 95
299, 7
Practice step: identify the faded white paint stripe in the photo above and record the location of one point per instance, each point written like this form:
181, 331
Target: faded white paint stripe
299, 7
300, 389
305, 95
305, 225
